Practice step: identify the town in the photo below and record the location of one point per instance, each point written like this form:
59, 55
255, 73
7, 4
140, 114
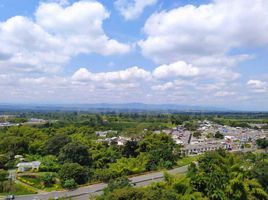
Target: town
208, 136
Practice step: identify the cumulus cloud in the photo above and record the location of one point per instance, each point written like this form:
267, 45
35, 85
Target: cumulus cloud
192, 47
132, 9
57, 34
177, 69
129, 74
258, 86
188, 32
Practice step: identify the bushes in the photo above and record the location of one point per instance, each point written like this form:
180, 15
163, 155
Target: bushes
70, 184
48, 179
105, 174
117, 183
39, 181
32, 180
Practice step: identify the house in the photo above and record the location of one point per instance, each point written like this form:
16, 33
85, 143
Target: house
120, 141
26, 166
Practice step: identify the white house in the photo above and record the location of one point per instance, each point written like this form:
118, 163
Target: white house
25, 166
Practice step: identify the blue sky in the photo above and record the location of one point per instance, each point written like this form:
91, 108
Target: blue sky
193, 52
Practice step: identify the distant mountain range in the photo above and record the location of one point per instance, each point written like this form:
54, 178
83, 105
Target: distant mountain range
104, 107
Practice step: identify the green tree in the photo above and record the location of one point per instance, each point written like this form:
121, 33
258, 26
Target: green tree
161, 150
55, 143
75, 153
218, 135
13, 145
191, 125
3, 161
260, 169
73, 171
197, 134
262, 143
221, 175
130, 149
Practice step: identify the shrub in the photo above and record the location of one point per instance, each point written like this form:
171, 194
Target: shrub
48, 179
70, 184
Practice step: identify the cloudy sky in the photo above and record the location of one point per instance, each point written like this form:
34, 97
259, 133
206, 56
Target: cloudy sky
189, 52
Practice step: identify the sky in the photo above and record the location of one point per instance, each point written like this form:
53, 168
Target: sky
186, 52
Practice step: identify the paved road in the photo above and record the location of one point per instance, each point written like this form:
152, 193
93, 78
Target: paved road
84, 193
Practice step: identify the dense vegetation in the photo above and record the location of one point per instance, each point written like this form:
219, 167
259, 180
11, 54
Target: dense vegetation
67, 147
216, 176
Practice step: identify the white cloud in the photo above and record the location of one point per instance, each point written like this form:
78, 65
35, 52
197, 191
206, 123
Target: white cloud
177, 69
80, 25
181, 69
258, 86
56, 35
132, 9
223, 74
219, 60
27, 45
55, 81
163, 87
190, 32
192, 46
133, 73
224, 94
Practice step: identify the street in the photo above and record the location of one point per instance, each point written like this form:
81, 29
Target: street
83, 193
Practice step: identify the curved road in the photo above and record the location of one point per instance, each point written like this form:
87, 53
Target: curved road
83, 193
